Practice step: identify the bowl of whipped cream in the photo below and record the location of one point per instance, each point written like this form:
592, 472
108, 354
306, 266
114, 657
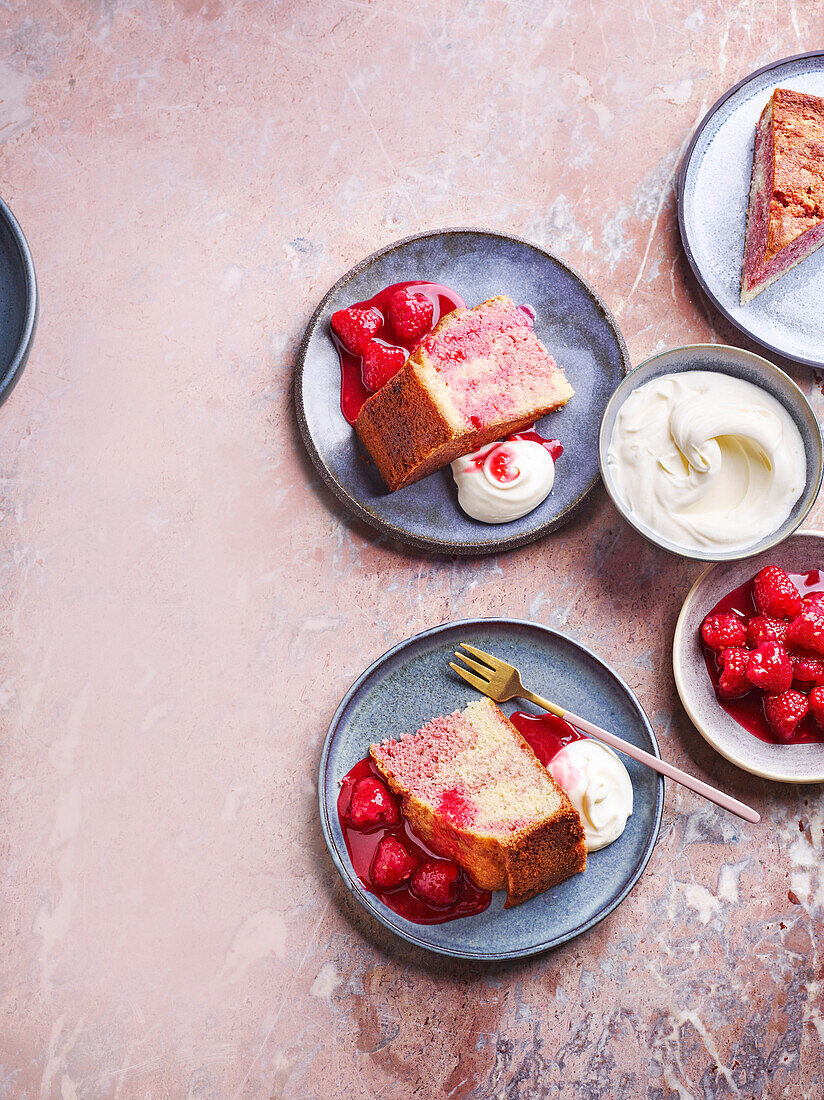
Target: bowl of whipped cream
711, 452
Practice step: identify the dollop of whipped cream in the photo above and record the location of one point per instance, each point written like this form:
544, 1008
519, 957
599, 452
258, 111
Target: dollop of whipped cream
504, 481
599, 787
708, 461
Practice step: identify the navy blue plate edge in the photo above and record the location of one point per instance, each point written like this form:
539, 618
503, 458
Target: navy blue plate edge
679, 195
483, 546
365, 899
15, 368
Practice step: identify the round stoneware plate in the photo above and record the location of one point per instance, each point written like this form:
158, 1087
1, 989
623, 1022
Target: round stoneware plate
18, 301
739, 364
572, 322
413, 683
713, 195
784, 763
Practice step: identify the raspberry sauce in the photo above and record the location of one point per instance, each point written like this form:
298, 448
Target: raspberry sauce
545, 734
554, 446
361, 846
748, 711
353, 393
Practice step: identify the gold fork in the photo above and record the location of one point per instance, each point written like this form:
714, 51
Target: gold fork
501, 681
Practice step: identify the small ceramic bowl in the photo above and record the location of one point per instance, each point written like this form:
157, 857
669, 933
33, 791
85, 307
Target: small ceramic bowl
739, 364
784, 763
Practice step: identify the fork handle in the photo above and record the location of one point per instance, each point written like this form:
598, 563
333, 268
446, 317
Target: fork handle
661, 766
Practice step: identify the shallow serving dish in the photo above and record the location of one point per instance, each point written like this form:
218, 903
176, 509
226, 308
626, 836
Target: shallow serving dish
18, 301
411, 684
784, 763
571, 320
739, 364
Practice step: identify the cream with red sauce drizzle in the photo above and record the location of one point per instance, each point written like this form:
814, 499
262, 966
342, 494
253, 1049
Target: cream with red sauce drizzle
503, 481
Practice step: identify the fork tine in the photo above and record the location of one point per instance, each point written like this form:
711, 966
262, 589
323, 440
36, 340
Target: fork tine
487, 658
482, 670
471, 678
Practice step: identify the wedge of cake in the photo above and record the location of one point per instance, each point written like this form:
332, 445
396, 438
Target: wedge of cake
480, 375
785, 220
473, 789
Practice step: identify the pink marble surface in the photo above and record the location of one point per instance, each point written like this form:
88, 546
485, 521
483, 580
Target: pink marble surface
183, 604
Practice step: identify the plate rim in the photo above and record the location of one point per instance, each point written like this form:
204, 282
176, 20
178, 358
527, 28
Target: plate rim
11, 376
697, 555
362, 896
483, 546
681, 184
678, 633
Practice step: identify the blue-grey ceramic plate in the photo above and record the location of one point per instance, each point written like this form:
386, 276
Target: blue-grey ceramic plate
739, 364
571, 320
411, 684
18, 301
713, 195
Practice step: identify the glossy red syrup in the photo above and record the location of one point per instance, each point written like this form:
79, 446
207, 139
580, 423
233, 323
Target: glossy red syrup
361, 847
748, 711
554, 446
353, 393
545, 734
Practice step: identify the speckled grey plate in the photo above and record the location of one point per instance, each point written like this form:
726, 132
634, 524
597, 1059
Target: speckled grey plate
411, 684
785, 763
713, 194
18, 301
751, 368
571, 320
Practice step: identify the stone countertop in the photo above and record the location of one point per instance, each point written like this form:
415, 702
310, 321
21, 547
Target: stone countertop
183, 603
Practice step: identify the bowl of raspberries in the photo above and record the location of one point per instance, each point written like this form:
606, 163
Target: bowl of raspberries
748, 657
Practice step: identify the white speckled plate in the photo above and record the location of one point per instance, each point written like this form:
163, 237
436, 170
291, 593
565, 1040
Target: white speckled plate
784, 763
713, 194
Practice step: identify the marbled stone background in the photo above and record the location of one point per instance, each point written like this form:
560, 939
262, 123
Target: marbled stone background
183, 604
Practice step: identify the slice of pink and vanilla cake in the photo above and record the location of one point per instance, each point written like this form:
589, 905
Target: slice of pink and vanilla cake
785, 220
473, 789
480, 375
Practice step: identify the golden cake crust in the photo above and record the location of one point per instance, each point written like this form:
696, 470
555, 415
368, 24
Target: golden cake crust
797, 202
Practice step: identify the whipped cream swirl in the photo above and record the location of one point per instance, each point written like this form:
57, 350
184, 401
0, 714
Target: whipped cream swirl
503, 481
599, 787
708, 461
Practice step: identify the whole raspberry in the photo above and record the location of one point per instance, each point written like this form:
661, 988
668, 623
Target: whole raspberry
770, 668
723, 631
435, 881
762, 629
812, 599
806, 631
817, 704
392, 863
410, 316
784, 712
775, 594
380, 363
371, 805
808, 669
733, 682
355, 327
